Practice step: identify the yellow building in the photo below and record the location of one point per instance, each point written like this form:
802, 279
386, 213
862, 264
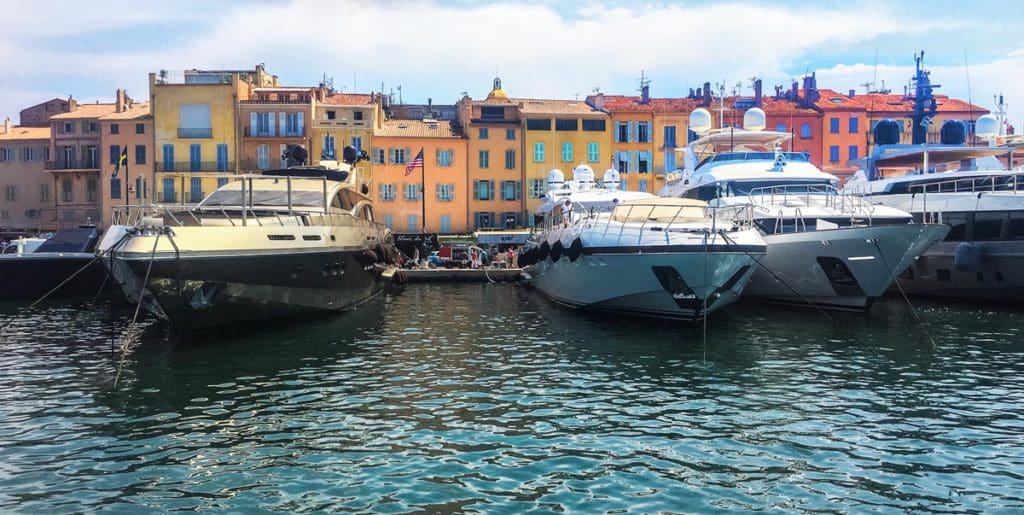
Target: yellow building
196, 130
341, 120
495, 160
561, 134
645, 134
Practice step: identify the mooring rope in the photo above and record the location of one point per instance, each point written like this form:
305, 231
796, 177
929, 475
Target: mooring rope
130, 334
920, 322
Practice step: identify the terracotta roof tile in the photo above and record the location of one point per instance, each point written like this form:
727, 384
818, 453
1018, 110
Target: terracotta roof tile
20, 133
546, 106
133, 112
348, 99
418, 129
631, 104
882, 102
86, 111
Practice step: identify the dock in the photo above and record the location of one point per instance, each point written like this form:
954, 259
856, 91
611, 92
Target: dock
463, 275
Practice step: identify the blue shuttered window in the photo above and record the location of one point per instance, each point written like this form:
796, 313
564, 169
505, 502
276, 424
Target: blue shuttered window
195, 189
168, 158
593, 152
222, 157
195, 157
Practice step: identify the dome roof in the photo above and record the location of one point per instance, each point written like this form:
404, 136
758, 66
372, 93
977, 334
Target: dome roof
497, 93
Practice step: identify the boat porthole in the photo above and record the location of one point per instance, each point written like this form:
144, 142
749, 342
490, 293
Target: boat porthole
980, 276
999, 277
332, 237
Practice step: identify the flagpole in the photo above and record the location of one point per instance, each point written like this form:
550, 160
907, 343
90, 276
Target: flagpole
423, 192
125, 153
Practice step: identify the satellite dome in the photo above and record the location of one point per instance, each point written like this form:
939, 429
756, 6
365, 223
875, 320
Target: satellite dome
700, 121
754, 119
987, 127
584, 176
556, 179
611, 179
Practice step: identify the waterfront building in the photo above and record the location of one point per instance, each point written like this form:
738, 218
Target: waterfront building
399, 200
76, 156
26, 199
646, 133
274, 120
494, 134
39, 114
129, 127
196, 130
845, 132
560, 134
344, 119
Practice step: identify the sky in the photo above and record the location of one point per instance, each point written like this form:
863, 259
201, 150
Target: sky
544, 49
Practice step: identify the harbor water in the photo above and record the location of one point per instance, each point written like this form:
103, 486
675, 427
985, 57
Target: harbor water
487, 398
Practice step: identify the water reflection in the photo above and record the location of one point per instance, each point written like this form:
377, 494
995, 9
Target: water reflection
488, 398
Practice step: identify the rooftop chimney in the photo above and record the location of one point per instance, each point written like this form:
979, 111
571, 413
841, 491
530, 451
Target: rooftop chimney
645, 94
706, 101
598, 100
794, 92
757, 93
7, 125
121, 103
853, 93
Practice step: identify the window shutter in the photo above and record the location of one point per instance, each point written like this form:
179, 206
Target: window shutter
617, 124
252, 124
273, 124
490, 190
519, 190
300, 130
476, 189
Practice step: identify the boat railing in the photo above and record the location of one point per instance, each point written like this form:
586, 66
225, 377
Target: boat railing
237, 217
653, 216
822, 195
978, 184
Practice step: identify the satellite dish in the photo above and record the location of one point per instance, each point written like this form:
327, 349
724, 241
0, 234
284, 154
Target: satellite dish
986, 127
700, 121
754, 119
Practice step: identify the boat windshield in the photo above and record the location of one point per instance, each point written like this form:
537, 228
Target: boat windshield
777, 187
755, 156
233, 198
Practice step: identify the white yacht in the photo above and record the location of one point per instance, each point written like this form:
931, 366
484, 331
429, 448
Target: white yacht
967, 188
634, 253
826, 248
289, 242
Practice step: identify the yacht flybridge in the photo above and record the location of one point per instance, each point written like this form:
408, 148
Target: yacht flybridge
965, 187
288, 242
831, 249
631, 252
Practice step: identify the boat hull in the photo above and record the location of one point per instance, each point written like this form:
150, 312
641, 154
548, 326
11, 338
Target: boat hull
998, 276
30, 276
839, 268
198, 292
647, 283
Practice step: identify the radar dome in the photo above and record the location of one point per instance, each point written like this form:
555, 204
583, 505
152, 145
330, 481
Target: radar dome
556, 179
611, 179
953, 132
987, 127
754, 119
584, 176
887, 132
700, 121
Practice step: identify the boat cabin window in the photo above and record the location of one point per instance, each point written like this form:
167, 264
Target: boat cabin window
940, 184
980, 225
790, 157
777, 187
275, 197
705, 193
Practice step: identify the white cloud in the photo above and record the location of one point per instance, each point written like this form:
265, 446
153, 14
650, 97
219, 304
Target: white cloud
439, 50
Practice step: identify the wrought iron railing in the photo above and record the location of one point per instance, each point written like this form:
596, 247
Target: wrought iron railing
195, 132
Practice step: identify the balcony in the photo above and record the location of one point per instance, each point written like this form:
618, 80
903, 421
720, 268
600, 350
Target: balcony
72, 165
250, 133
199, 166
195, 133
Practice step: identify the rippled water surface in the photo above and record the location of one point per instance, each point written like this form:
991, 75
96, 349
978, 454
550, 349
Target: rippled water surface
487, 398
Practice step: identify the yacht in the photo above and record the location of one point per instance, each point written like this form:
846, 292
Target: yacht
968, 188
302, 240
634, 253
62, 265
824, 248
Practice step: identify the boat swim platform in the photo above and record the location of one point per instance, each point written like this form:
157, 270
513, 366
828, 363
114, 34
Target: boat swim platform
463, 275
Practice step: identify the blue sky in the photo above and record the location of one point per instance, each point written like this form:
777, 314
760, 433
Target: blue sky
438, 50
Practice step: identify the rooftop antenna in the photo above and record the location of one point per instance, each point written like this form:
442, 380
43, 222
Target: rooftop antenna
874, 75
400, 94
645, 88
355, 84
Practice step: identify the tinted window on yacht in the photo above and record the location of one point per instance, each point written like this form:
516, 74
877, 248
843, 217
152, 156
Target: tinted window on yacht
988, 225
958, 224
704, 193
1015, 226
778, 187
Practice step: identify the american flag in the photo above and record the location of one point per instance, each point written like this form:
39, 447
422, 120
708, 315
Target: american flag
417, 161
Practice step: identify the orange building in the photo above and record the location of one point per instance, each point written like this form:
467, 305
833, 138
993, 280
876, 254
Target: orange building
495, 161
399, 201
26, 203
129, 127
